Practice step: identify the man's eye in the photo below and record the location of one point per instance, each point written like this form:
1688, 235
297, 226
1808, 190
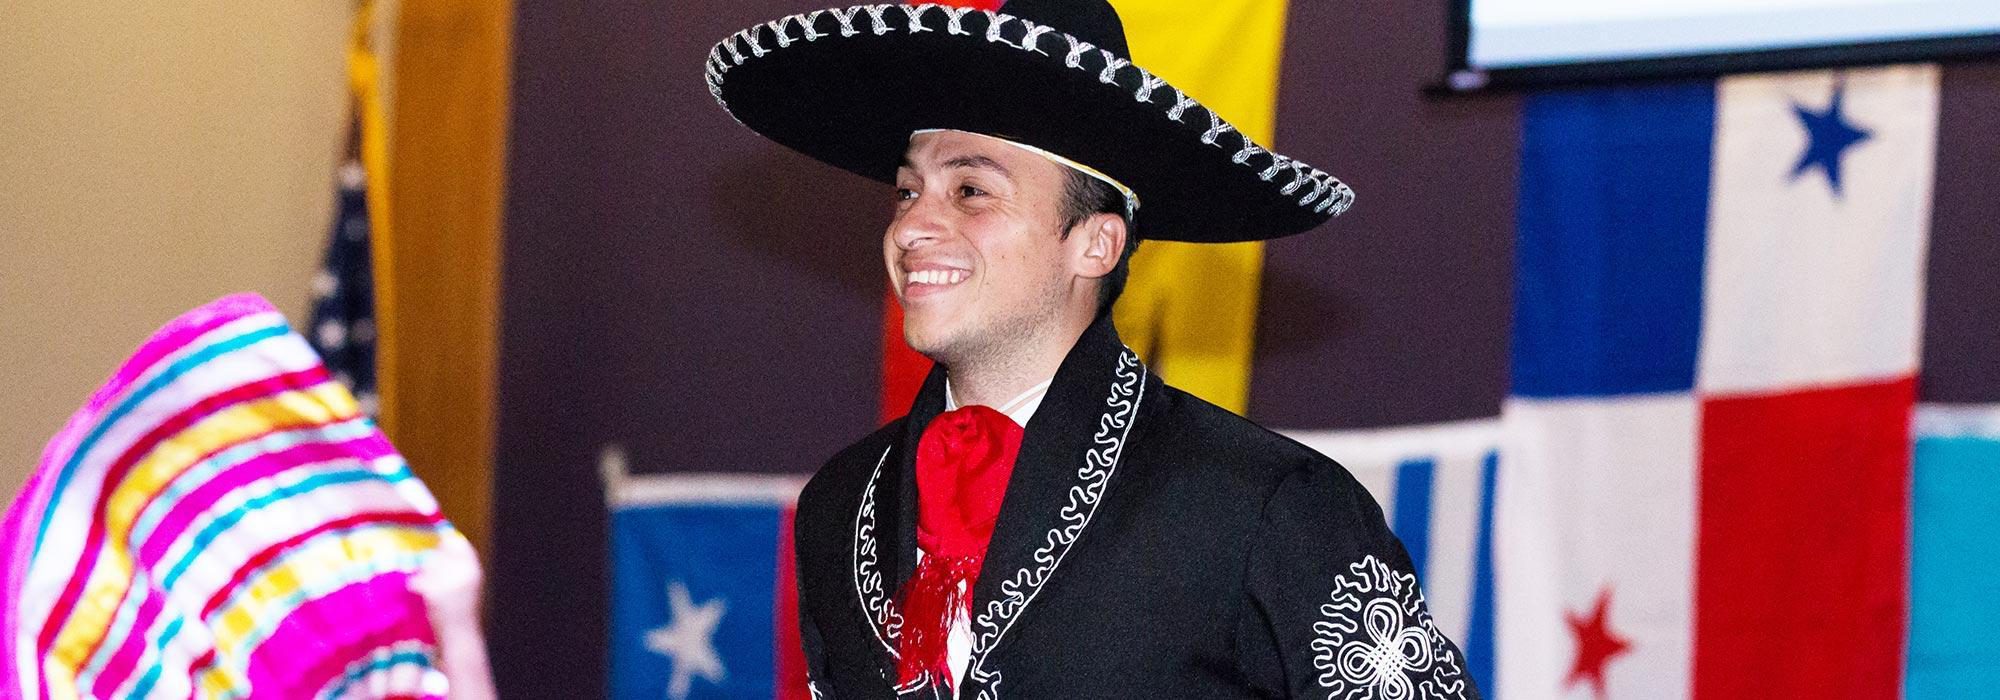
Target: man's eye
904, 194
969, 191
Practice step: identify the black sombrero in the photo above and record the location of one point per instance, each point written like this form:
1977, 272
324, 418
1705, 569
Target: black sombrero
848, 86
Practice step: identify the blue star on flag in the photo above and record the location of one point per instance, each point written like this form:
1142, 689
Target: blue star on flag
1828, 136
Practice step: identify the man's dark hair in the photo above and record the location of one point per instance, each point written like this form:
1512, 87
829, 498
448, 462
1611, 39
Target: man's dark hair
1085, 196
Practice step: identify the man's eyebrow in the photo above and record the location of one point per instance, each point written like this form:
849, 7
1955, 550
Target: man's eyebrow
968, 161
979, 162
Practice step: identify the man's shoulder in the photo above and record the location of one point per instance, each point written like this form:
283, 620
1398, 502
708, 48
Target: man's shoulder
850, 469
1215, 432
869, 448
1264, 462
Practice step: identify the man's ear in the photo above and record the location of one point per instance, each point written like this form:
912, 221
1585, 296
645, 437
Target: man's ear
1104, 241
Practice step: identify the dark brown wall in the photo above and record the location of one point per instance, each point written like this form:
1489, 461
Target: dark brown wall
1397, 312
674, 284
1961, 356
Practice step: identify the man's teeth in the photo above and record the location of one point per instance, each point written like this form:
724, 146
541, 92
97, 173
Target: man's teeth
937, 277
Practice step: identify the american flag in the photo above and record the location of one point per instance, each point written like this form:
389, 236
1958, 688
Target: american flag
343, 293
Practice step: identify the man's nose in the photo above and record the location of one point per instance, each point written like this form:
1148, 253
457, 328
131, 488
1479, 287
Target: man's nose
921, 223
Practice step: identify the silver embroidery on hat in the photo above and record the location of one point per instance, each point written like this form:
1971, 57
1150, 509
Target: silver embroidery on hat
1329, 194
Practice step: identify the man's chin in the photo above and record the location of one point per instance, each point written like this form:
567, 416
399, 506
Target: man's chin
925, 344
930, 340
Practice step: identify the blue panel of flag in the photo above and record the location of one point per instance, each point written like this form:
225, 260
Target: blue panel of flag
1412, 511
1612, 215
1480, 649
692, 613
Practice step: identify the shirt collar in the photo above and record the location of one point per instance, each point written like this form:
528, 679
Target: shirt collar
1019, 409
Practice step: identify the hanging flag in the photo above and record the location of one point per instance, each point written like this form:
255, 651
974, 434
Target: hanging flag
345, 296
342, 328
701, 598
1190, 309
346, 299
1704, 486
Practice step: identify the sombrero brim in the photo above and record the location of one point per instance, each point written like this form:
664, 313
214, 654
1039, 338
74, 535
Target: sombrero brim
848, 86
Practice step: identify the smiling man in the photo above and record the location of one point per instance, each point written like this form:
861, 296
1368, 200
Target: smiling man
1050, 519
1000, 257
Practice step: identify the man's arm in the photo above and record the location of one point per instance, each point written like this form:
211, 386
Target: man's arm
815, 655
1332, 606
809, 636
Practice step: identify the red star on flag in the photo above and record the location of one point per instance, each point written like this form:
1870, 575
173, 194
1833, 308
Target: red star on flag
1595, 644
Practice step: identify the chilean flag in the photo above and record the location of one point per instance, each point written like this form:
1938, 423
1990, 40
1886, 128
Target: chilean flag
703, 600
1705, 477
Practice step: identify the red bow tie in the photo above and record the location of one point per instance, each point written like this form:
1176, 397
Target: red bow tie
963, 462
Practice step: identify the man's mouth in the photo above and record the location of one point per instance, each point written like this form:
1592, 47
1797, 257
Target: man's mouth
938, 277
932, 279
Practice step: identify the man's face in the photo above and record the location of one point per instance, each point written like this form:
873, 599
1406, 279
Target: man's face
975, 251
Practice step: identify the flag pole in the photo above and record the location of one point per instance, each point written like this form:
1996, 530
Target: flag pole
364, 72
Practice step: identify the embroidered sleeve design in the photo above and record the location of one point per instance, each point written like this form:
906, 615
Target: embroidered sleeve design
1327, 194
1375, 640
1020, 589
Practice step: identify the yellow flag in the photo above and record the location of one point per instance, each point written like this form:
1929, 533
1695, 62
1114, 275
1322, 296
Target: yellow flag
1191, 309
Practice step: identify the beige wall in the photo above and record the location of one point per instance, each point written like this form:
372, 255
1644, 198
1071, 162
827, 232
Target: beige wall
153, 156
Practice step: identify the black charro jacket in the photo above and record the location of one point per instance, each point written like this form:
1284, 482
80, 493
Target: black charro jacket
1150, 545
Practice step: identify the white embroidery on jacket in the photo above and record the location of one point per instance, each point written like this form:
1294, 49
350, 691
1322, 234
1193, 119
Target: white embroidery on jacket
1020, 589
1377, 641
883, 619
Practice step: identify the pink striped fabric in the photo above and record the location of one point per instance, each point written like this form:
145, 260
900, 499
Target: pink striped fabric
220, 520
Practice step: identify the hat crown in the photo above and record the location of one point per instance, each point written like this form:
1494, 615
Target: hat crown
1094, 21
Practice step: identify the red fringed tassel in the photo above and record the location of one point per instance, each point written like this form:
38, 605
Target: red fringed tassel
963, 462
931, 600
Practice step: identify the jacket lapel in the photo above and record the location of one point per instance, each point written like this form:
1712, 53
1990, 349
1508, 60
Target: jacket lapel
1068, 457
1070, 452
888, 516
929, 403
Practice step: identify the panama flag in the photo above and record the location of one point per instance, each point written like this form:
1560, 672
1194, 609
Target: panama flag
1705, 477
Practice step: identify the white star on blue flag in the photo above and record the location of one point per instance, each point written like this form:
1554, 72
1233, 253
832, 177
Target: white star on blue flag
689, 640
